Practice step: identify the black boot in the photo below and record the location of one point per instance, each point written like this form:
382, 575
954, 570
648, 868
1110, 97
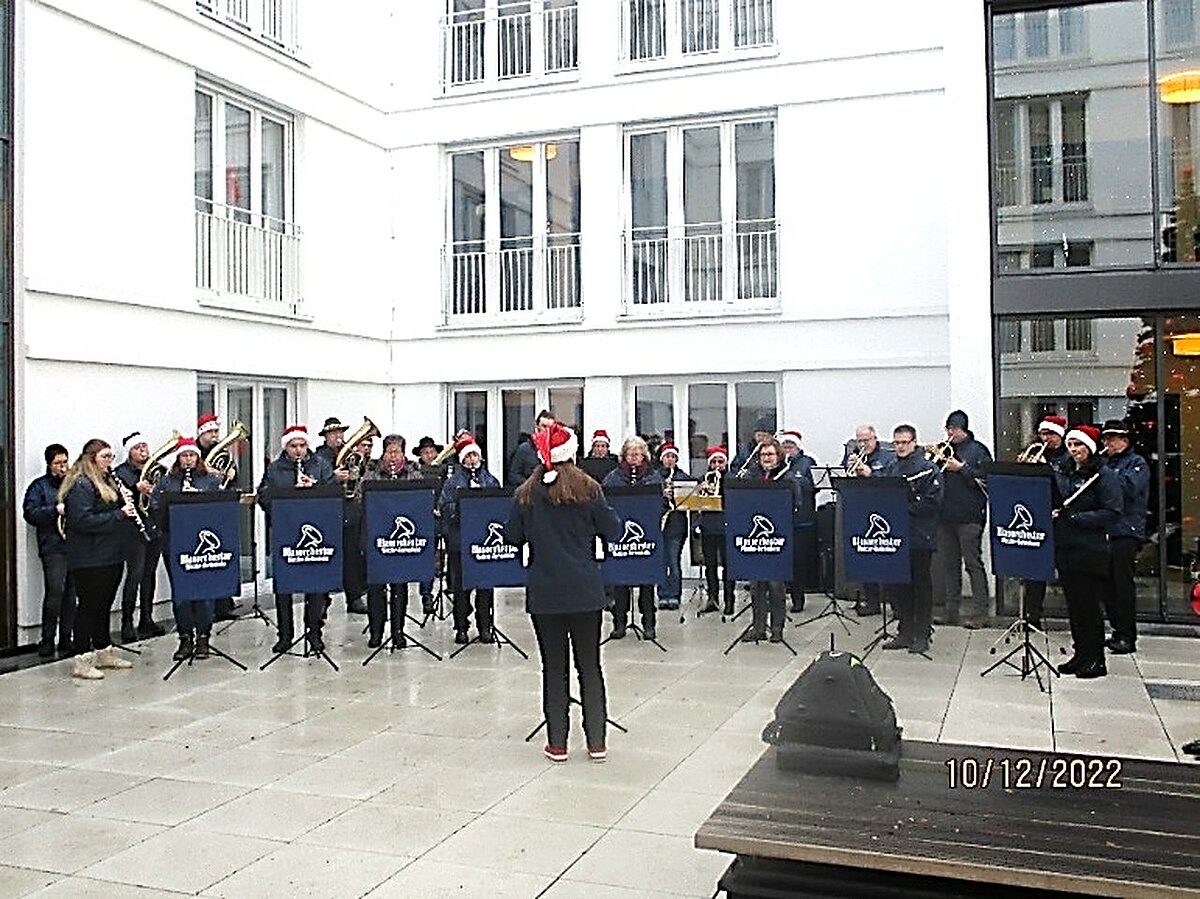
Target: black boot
128, 634
711, 605
148, 627
185, 649
201, 646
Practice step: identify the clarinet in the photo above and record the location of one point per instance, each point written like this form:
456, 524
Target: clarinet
127, 496
299, 472
187, 480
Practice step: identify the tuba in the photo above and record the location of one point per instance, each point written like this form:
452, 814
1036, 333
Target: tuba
350, 459
220, 456
152, 470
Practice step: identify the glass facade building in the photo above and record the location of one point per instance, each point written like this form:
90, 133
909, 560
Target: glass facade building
8, 561
1096, 239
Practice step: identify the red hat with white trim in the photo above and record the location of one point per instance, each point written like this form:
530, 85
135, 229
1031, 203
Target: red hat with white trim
1055, 424
668, 448
789, 437
466, 444
295, 432
207, 422
555, 444
714, 451
185, 445
600, 436
1088, 435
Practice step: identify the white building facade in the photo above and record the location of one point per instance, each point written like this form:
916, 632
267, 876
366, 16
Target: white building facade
667, 217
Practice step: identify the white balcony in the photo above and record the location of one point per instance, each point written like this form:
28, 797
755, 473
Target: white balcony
510, 45
245, 256
536, 278
679, 31
270, 21
719, 267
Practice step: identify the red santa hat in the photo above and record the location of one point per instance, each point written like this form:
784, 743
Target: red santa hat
1056, 424
715, 451
792, 437
207, 422
554, 444
601, 436
466, 444
185, 445
668, 448
294, 432
1088, 435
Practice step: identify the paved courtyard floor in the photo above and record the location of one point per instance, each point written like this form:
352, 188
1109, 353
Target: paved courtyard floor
411, 777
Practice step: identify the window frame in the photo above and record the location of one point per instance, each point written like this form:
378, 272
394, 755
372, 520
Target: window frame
727, 49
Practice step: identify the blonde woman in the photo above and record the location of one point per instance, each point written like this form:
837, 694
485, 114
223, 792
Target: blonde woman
97, 517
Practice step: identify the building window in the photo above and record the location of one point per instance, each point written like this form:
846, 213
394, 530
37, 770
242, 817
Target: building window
272, 22
701, 216
1039, 35
1041, 151
497, 263
490, 43
1178, 23
1046, 335
1043, 256
691, 29
247, 244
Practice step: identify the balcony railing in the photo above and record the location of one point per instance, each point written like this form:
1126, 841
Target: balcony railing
533, 276
518, 40
735, 262
270, 21
1042, 189
244, 255
665, 29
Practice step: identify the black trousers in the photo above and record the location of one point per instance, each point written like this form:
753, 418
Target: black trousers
913, 602
58, 600
1035, 600
314, 614
622, 597
804, 563
714, 558
141, 576
1084, 589
484, 598
354, 562
767, 597
1120, 599
384, 601
96, 589
580, 634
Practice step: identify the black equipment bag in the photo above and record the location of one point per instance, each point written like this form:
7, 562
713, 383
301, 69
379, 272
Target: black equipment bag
835, 719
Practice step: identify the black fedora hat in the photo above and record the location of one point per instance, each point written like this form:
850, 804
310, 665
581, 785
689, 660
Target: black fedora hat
332, 423
424, 442
1118, 427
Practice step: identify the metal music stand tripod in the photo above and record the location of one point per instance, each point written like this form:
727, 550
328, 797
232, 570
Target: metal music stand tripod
833, 606
190, 657
390, 644
571, 700
310, 649
639, 634
256, 610
500, 638
1031, 659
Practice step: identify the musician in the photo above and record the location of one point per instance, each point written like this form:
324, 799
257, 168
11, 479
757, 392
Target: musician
525, 459
1051, 431
867, 457
1126, 535
96, 515
804, 518
470, 474
913, 602
745, 463
384, 600
427, 452
354, 562
208, 435
296, 466
334, 433
960, 528
42, 509
675, 526
600, 446
186, 473
141, 555
1087, 504
560, 511
712, 538
768, 596
633, 469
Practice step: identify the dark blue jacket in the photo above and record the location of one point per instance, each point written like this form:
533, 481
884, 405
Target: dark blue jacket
1081, 529
282, 473
1133, 476
95, 528
800, 468
460, 478
622, 476
879, 461
524, 461
563, 575
964, 501
41, 511
925, 494
172, 482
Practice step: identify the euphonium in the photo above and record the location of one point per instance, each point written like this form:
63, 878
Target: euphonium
351, 459
220, 455
1033, 453
153, 469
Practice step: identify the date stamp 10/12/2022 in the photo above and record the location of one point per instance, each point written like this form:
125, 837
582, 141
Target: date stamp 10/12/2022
1053, 772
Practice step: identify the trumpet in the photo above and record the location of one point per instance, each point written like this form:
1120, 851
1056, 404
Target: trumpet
1032, 454
852, 462
939, 453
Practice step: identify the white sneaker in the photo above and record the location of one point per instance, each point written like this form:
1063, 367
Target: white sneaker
107, 658
84, 669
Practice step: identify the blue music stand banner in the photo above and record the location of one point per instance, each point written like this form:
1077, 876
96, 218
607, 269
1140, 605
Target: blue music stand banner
488, 560
758, 530
306, 539
1019, 517
204, 545
636, 557
400, 531
875, 530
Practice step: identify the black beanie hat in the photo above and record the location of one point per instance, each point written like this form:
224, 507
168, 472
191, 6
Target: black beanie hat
957, 419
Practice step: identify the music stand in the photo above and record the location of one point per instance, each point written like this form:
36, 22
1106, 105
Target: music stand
638, 633
827, 477
310, 646
389, 643
1031, 658
571, 700
256, 610
191, 656
499, 638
